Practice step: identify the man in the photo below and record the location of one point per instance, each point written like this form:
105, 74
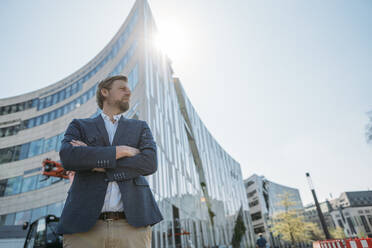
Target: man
109, 203
261, 242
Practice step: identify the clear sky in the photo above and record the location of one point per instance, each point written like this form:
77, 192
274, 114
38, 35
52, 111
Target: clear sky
284, 86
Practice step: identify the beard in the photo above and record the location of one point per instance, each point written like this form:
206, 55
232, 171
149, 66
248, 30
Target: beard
123, 106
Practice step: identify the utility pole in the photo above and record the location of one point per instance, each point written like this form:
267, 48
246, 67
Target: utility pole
320, 214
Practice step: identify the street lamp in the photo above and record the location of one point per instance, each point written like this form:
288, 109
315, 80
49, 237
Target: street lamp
320, 214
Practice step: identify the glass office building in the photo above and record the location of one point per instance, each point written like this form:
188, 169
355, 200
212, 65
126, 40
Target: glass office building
198, 186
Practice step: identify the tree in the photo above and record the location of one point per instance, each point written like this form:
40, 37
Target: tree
338, 233
239, 229
290, 224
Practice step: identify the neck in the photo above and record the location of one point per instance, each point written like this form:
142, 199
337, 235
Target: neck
111, 111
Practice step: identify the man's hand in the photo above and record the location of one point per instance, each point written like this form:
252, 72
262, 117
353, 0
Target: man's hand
81, 143
77, 143
126, 151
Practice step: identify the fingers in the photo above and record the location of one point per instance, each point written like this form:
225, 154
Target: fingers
70, 173
77, 143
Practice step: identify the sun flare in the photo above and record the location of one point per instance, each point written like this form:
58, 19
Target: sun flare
172, 40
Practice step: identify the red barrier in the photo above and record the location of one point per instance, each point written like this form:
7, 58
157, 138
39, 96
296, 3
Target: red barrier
344, 243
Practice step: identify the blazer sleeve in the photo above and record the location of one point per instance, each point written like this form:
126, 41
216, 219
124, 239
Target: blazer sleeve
80, 158
144, 163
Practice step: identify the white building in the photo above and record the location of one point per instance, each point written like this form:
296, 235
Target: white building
352, 211
263, 199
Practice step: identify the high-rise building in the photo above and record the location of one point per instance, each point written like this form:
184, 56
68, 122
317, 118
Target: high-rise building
264, 199
198, 186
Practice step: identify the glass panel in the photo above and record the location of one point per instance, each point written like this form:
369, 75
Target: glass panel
55, 208
41, 183
48, 101
60, 138
61, 95
29, 183
58, 112
22, 217
24, 151
38, 212
55, 98
45, 118
7, 219
35, 102
13, 186
38, 121
31, 123
41, 103
6, 154
36, 148
50, 144
3, 184
16, 152
68, 91
52, 115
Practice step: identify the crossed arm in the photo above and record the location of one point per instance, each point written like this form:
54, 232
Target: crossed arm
131, 162
121, 152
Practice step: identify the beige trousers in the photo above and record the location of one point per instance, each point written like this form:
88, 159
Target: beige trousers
110, 234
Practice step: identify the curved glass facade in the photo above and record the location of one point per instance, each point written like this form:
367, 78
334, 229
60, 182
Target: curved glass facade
198, 186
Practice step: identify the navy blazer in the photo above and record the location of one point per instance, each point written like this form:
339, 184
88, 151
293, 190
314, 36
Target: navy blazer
87, 193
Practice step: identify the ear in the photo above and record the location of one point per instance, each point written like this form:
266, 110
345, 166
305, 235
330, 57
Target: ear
104, 92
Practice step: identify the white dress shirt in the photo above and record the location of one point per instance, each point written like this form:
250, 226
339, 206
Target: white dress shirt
113, 202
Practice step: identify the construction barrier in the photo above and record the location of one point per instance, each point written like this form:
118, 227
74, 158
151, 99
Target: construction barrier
344, 243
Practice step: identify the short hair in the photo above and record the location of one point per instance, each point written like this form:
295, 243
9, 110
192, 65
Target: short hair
106, 84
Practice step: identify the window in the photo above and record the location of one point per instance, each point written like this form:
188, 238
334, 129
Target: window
24, 151
45, 118
61, 95
16, 152
74, 88
254, 203
50, 144
250, 194
13, 186
256, 216
58, 112
55, 98
48, 101
68, 91
52, 115
37, 213
7, 219
365, 224
59, 140
35, 102
133, 77
340, 223
249, 183
31, 123
55, 208
6, 154
3, 183
36, 148
21, 217
41, 104
38, 121
28, 184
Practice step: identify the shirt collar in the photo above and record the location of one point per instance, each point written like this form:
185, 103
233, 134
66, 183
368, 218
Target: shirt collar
116, 117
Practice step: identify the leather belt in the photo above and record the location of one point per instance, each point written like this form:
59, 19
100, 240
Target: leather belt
111, 215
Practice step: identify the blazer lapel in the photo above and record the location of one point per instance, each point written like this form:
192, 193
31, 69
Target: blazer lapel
121, 130
100, 123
